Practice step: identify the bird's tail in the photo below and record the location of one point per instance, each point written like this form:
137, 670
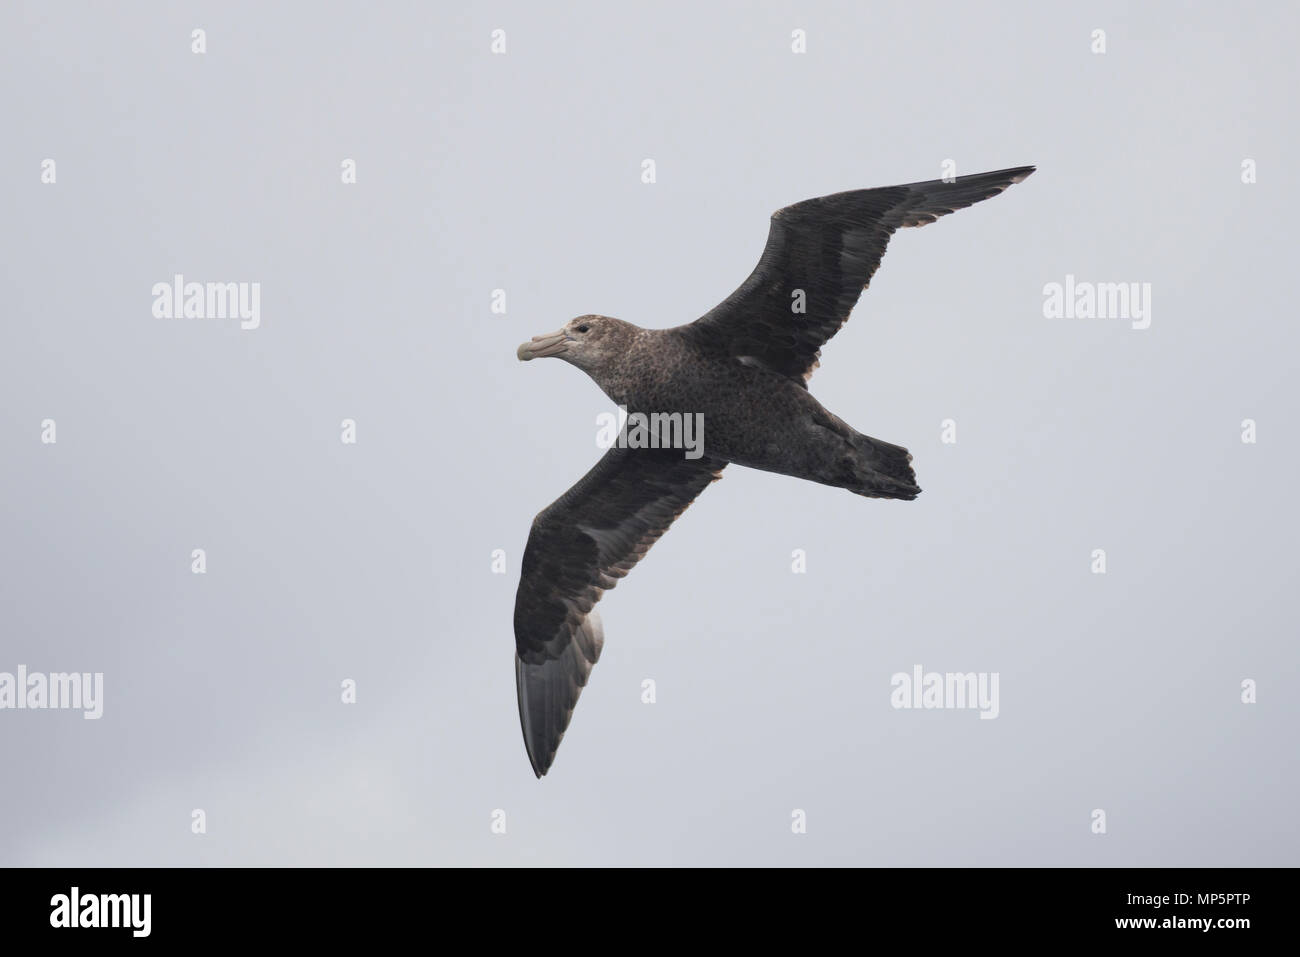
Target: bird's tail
882, 470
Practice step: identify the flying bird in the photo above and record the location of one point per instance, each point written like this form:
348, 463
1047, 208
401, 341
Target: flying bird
745, 366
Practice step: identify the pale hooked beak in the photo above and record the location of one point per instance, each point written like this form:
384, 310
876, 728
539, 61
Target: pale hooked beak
540, 347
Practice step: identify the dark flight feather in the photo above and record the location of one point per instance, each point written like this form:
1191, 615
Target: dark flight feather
578, 548
829, 247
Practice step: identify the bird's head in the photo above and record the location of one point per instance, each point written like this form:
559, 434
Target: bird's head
588, 342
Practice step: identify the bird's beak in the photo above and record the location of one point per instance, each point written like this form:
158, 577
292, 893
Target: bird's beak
539, 347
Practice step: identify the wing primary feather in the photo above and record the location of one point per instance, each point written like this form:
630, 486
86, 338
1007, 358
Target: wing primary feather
828, 249
579, 547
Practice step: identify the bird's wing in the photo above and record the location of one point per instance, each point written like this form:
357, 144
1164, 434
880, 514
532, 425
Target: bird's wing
828, 248
580, 546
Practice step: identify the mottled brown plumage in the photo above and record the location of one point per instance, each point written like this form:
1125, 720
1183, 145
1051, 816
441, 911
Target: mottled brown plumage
744, 366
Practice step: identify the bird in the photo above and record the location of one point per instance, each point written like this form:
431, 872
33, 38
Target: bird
744, 367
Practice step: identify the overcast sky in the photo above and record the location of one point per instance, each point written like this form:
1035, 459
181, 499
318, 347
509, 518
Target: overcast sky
372, 561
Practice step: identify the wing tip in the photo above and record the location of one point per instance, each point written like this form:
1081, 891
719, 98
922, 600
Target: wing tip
1001, 178
542, 743
540, 767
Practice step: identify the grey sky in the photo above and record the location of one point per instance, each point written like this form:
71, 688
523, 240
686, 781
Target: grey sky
372, 561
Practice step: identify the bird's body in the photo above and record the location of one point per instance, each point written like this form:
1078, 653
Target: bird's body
742, 369
753, 416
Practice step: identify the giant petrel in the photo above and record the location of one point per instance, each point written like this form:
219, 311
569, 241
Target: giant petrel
744, 365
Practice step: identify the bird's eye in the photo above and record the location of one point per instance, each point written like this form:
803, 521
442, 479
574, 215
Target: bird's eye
583, 328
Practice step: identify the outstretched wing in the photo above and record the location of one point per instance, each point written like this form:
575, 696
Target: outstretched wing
829, 248
578, 547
